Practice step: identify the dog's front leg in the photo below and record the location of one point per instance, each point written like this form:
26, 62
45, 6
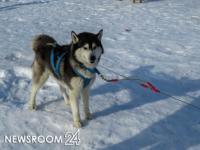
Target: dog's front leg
74, 94
85, 97
73, 97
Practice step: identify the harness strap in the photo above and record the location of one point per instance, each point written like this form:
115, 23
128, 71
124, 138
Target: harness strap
56, 66
86, 80
91, 70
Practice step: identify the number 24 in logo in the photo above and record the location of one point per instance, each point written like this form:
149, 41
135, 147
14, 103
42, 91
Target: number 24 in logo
72, 138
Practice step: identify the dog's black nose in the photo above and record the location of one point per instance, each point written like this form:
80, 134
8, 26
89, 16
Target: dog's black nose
92, 59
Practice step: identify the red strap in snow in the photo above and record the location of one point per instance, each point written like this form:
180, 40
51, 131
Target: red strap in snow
113, 80
150, 86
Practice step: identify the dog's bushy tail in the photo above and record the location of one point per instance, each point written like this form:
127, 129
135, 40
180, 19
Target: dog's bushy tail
40, 42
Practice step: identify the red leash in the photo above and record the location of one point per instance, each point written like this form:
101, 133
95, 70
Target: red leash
150, 86
146, 85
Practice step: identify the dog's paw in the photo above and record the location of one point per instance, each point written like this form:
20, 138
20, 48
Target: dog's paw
67, 102
77, 124
32, 107
88, 116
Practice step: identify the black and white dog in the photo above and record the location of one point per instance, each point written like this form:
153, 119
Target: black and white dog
73, 66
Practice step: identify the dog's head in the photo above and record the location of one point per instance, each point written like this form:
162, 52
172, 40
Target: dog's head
87, 48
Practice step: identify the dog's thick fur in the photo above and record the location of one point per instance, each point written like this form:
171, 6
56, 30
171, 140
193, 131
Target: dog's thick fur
77, 54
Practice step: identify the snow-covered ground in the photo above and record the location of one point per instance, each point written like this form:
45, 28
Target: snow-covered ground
158, 40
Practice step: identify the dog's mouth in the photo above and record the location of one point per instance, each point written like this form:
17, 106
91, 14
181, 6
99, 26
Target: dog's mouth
91, 64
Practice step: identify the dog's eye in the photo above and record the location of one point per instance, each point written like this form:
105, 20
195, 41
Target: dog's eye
94, 47
85, 48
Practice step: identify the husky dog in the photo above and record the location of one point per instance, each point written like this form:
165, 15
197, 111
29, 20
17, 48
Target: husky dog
73, 67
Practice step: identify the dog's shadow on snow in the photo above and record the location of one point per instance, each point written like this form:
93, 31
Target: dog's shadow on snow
174, 122
162, 81
46, 104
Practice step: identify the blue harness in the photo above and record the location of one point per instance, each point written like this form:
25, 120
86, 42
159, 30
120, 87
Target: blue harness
56, 67
86, 80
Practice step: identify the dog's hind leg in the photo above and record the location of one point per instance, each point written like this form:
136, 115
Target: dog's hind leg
39, 77
65, 95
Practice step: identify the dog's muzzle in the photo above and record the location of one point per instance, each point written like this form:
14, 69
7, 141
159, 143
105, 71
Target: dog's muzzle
92, 59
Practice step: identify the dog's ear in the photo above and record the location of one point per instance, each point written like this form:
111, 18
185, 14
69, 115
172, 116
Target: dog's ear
74, 37
100, 34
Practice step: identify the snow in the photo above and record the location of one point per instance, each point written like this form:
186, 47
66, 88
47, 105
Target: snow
158, 40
